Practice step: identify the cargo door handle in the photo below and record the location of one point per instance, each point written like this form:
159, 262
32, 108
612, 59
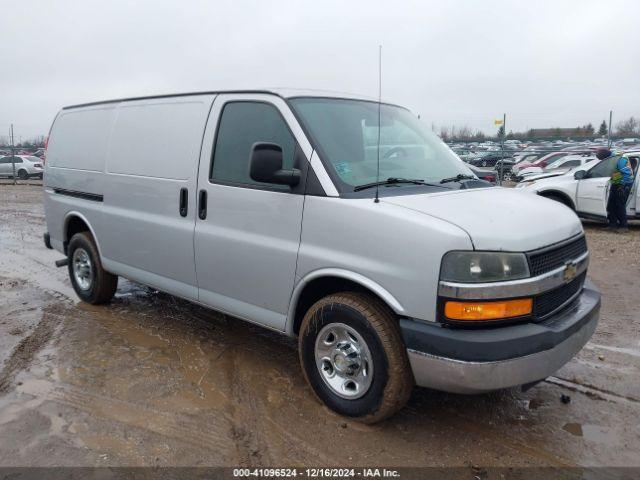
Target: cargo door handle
202, 204
184, 202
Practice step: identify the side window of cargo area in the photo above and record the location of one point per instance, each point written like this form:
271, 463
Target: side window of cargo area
241, 125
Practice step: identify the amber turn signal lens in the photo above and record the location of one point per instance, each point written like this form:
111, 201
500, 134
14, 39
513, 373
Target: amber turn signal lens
488, 310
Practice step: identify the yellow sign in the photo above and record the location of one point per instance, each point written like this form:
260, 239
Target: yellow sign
497, 122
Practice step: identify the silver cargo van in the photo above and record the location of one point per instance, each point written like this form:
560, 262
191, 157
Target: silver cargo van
341, 221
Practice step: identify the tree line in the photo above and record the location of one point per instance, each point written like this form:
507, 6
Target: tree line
30, 143
626, 128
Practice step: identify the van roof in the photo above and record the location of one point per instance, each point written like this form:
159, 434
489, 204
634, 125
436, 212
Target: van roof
280, 92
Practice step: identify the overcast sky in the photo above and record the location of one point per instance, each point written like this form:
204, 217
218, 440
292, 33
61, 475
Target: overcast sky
544, 63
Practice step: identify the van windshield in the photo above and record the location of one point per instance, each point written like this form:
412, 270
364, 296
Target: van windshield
346, 135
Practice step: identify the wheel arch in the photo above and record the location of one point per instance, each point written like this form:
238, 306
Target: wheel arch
566, 199
73, 221
320, 283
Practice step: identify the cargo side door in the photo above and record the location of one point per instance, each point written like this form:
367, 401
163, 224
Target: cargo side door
150, 184
247, 233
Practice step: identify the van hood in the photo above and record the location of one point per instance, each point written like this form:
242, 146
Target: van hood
498, 218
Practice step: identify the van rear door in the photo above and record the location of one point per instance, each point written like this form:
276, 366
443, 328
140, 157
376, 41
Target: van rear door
248, 233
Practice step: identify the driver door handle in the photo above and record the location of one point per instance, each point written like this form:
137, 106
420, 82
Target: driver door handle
202, 204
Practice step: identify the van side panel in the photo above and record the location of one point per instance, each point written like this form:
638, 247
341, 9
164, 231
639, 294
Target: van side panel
76, 156
153, 153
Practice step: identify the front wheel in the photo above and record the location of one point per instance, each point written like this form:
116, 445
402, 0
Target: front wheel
92, 283
353, 356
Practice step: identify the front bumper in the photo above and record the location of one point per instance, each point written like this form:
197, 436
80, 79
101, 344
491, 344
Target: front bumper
477, 361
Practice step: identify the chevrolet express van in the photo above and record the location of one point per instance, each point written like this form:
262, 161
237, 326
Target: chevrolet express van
337, 220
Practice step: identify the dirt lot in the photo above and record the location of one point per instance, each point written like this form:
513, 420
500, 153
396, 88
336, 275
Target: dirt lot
152, 380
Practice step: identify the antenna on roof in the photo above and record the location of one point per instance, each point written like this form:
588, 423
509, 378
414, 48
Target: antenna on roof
377, 199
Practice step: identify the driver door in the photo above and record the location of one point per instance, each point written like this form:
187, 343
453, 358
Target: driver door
593, 190
247, 233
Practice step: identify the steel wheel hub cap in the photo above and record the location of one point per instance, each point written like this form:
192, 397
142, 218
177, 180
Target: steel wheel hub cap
82, 268
343, 360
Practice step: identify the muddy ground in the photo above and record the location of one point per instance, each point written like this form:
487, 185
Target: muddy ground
151, 380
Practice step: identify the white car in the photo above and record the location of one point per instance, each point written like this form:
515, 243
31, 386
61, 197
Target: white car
26, 166
586, 189
565, 163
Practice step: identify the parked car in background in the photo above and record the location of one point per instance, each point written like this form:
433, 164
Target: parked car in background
565, 163
554, 173
26, 166
489, 159
525, 156
586, 189
542, 161
504, 169
487, 174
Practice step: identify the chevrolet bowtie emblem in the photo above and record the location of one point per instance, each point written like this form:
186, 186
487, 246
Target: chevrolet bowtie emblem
570, 272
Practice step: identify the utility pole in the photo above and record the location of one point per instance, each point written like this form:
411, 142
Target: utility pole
609, 131
504, 133
13, 158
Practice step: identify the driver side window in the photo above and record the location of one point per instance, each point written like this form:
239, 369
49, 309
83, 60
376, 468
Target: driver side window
243, 124
604, 169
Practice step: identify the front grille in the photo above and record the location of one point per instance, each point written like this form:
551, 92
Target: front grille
548, 259
549, 301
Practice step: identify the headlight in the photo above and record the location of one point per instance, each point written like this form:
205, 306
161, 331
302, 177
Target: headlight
478, 267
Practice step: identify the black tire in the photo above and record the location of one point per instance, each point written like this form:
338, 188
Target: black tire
102, 284
22, 174
392, 380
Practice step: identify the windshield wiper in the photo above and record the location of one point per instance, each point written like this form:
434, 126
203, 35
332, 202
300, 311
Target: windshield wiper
457, 178
395, 181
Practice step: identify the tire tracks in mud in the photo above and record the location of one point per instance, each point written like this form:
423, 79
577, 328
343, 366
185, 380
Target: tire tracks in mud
14, 264
250, 429
592, 391
229, 436
25, 352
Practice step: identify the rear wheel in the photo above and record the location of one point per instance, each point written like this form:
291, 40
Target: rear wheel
92, 283
353, 356
22, 174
